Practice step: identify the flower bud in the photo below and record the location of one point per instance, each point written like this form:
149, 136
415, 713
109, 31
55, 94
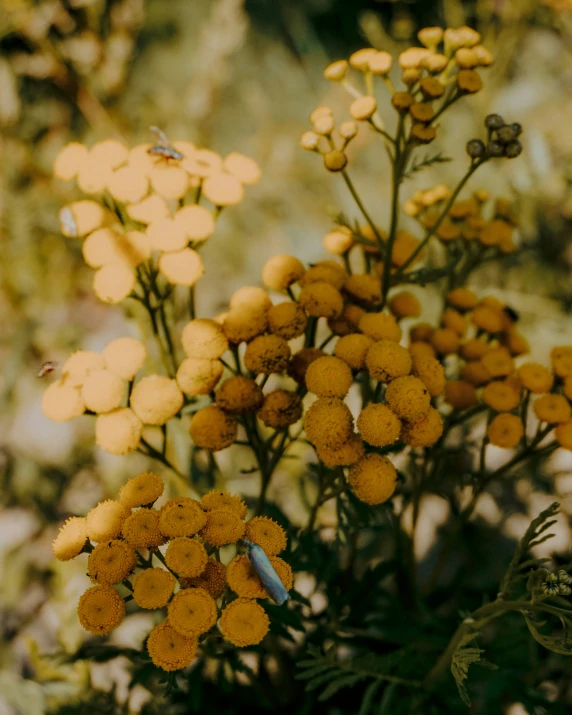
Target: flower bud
363, 108
476, 149
335, 160
309, 141
494, 121
336, 71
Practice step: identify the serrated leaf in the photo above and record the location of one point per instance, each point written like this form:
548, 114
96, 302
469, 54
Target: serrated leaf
346, 681
368, 698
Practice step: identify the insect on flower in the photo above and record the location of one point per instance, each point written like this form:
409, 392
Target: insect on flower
266, 573
163, 147
68, 221
47, 368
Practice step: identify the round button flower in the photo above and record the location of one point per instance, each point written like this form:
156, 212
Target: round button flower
244, 622
243, 580
378, 425
352, 349
425, 432
535, 377
552, 409
142, 490
282, 271
203, 338
111, 562
321, 300
281, 408
156, 399
408, 398
100, 610
387, 360
198, 376
212, 579
328, 422
343, 455
153, 588
124, 357
213, 429
501, 396
181, 517
329, 377
71, 538
239, 394
373, 479
192, 612
102, 391
380, 326
287, 320
223, 526
104, 521
267, 354
223, 500
141, 529
186, 557
119, 431
460, 394
505, 430
62, 403
266, 533
170, 650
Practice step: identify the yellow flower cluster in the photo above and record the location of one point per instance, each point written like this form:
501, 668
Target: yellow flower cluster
152, 206
466, 220
97, 384
446, 57
124, 535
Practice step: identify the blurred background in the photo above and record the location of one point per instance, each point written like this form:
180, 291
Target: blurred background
230, 75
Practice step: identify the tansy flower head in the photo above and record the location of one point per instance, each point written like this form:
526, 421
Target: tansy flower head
223, 526
501, 396
364, 289
515, 342
243, 580
405, 305
352, 349
325, 272
446, 341
378, 425
267, 354
141, 490
338, 241
244, 622
321, 300
223, 500
505, 430
111, 562
203, 338
102, 391
387, 360
488, 319
373, 479
300, 362
455, 321
342, 455
408, 398
476, 373
244, 324
196, 222
563, 434
266, 533
347, 322
170, 650
287, 320
100, 610
153, 588
69, 161
460, 394
250, 298
380, 326
198, 376
113, 282
421, 332
141, 529
212, 579
181, 517
282, 271
71, 538
79, 365
156, 399
118, 431
239, 394
473, 349
561, 359
280, 408
105, 520
498, 362
182, 267
552, 409
328, 422
421, 351
124, 357
213, 429
329, 377
425, 432
62, 403
192, 612
186, 557
431, 373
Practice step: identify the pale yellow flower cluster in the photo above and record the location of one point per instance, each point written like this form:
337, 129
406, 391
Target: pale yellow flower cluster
148, 212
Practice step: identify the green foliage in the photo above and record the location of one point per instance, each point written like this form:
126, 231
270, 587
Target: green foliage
427, 161
464, 657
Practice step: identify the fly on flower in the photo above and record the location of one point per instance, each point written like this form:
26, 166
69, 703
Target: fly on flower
163, 147
47, 368
266, 573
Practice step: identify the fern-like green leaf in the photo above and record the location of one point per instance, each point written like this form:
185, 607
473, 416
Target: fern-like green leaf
425, 163
464, 657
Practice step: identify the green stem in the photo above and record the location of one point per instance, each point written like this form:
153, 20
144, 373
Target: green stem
362, 208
